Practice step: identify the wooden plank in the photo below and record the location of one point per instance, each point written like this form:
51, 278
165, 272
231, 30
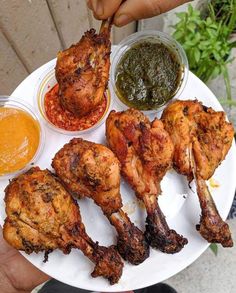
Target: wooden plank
12, 71
71, 18
94, 23
71, 31
30, 28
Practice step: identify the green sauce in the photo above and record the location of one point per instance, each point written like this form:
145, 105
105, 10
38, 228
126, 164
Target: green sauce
148, 76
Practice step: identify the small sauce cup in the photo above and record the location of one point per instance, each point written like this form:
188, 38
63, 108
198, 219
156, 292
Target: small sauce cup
26, 139
48, 82
153, 37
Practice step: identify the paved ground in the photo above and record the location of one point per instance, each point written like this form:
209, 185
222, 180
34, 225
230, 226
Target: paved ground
209, 273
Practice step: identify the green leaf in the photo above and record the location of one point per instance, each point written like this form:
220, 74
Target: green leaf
216, 55
213, 26
197, 55
191, 27
214, 248
181, 15
215, 72
208, 21
211, 32
189, 43
233, 45
190, 9
178, 35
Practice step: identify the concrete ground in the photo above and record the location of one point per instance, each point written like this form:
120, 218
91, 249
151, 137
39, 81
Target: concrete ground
209, 273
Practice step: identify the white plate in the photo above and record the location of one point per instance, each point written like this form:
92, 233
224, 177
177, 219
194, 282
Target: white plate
182, 214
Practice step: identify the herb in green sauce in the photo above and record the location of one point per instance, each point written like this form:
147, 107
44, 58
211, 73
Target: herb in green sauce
148, 76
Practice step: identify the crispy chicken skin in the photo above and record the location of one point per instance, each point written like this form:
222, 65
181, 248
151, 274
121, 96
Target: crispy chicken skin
145, 152
92, 170
202, 139
82, 71
42, 216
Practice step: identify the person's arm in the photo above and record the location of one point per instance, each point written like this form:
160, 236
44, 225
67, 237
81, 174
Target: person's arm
130, 10
17, 275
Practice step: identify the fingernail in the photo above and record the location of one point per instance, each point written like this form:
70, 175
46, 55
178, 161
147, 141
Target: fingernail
122, 19
97, 7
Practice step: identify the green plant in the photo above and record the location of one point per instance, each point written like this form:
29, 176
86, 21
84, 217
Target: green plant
224, 10
206, 43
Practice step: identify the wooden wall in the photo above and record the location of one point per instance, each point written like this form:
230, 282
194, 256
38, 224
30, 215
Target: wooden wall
33, 31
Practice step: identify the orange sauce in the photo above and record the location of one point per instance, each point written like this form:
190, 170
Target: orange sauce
19, 139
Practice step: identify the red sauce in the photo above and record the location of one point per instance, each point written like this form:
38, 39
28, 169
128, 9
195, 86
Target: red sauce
66, 120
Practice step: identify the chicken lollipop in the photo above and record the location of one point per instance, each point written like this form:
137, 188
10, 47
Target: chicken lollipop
145, 152
202, 139
92, 170
42, 216
82, 71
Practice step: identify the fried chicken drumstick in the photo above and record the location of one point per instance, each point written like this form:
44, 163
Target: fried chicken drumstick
42, 216
202, 139
82, 71
92, 170
145, 151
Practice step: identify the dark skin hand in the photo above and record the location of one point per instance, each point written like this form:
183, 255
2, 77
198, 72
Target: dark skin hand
17, 275
129, 10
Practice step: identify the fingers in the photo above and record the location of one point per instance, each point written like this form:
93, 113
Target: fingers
18, 272
102, 9
132, 10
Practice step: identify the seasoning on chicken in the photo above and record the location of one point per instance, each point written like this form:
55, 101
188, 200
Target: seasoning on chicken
82, 71
92, 170
202, 139
145, 151
42, 216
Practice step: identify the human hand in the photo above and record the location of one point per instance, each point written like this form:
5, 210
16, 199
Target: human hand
131, 10
16, 273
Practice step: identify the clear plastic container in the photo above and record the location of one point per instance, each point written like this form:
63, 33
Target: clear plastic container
47, 82
20, 104
154, 37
